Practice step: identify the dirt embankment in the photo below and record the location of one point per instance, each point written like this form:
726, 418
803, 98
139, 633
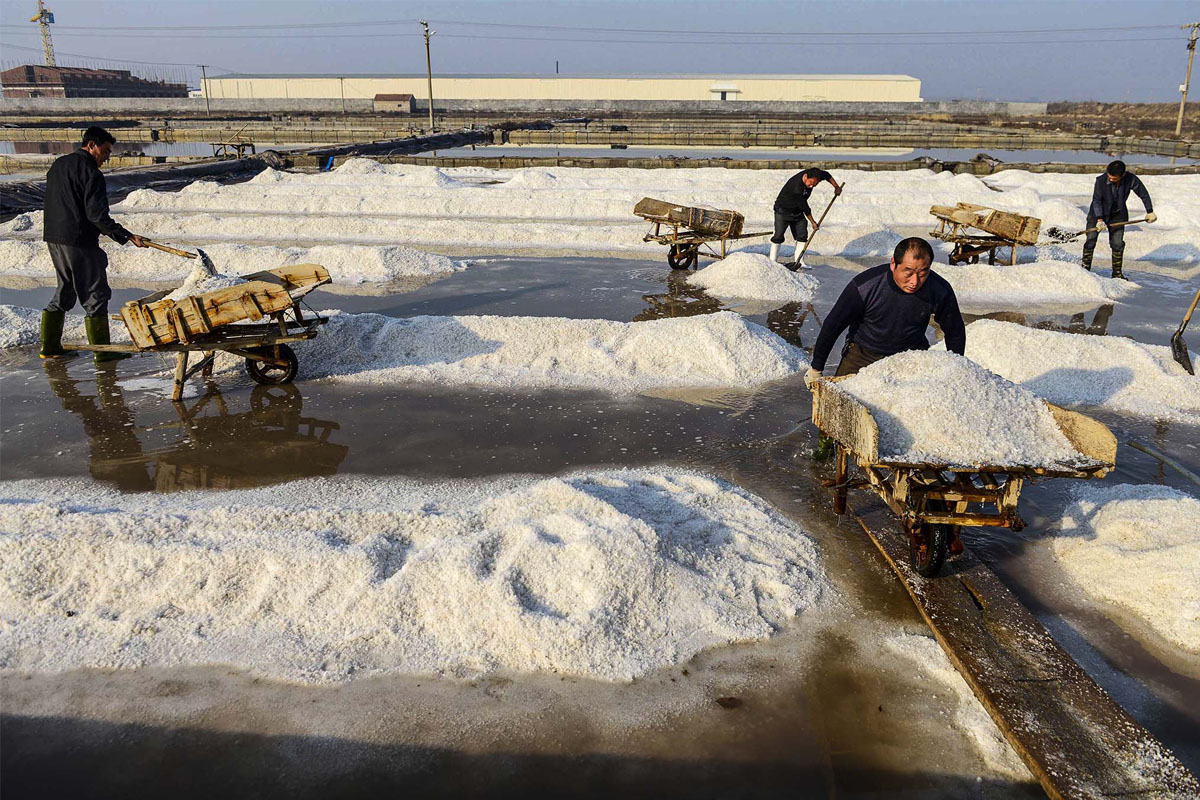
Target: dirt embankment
1150, 119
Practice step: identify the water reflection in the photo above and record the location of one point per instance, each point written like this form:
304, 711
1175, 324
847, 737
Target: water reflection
684, 300
1074, 323
209, 447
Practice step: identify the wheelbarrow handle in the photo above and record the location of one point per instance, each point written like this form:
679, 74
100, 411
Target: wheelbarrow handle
172, 250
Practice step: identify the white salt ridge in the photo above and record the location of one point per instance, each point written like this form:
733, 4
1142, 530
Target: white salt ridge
713, 350
572, 209
347, 264
1043, 283
754, 277
200, 280
940, 408
608, 575
1136, 549
21, 327
1090, 371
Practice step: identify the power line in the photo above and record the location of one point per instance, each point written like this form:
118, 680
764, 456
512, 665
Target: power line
115, 60
586, 29
729, 39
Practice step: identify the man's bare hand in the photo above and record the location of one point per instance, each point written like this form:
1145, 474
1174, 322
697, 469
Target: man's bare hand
837, 190
139, 241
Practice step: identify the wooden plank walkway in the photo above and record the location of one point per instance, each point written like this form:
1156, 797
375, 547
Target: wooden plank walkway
1075, 739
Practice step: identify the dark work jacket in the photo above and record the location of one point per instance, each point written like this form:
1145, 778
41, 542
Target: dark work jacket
793, 197
886, 320
1108, 199
77, 204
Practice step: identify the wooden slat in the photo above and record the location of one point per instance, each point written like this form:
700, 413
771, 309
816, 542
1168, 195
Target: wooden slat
1076, 740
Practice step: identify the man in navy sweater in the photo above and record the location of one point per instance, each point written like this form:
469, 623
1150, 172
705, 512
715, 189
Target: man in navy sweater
887, 310
1109, 196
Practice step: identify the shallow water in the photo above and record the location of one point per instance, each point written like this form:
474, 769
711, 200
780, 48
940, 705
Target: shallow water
804, 153
812, 718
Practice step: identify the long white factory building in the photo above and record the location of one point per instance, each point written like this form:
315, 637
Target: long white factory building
730, 88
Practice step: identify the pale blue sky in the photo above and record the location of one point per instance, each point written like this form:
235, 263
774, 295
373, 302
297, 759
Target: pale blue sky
1034, 56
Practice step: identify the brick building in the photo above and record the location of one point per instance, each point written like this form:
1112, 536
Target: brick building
41, 81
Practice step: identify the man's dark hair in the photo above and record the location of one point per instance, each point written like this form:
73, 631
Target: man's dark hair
818, 173
913, 245
1116, 169
97, 136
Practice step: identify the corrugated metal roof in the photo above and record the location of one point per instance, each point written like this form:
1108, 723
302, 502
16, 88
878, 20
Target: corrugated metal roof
613, 76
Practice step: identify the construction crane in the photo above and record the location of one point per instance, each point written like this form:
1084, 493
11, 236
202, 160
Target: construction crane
43, 18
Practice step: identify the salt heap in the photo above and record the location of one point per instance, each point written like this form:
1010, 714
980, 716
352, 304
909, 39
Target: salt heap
201, 280
607, 574
347, 264
1137, 548
712, 350
1100, 371
984, 287
940, 408
755, 277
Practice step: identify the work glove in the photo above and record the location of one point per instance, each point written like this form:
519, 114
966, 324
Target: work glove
811, 377
1099, 225
1151, 217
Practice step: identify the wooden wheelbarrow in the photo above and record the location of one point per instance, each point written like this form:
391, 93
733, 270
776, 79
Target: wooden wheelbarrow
226, 320
934, 501
689, 230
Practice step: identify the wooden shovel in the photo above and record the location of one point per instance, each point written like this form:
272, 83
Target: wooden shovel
820, 222
200, 254
1059, 236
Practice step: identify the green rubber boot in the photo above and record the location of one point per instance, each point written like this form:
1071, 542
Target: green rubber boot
52, 328
824, 449
97, 333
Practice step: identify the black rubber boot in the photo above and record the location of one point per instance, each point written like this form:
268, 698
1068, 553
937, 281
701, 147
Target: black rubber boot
1118, 261
52, 328
97, 333
1087, 258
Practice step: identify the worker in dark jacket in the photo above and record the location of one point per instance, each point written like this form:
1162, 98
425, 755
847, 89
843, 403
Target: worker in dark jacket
887, 310
791, 208
76, 213
1109, 196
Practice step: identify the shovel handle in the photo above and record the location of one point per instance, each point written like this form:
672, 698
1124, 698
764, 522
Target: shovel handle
172, 250
821, 221
1188, 316
1114, 225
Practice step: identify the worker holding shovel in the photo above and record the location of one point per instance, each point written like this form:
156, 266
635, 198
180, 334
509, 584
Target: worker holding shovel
791, 208
1108, 210
76, 213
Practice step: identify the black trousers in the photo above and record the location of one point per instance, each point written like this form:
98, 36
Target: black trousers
855, 358
796, 222
82, 274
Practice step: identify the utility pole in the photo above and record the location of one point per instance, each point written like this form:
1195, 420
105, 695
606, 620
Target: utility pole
342, 84
43, 18
204, 88
1187, 80
429, 71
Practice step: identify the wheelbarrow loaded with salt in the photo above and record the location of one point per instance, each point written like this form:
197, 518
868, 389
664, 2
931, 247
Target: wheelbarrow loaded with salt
935, 500
249, 319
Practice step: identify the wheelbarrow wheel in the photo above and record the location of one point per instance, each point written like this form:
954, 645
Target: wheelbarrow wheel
683, 256
927, 548
269, 374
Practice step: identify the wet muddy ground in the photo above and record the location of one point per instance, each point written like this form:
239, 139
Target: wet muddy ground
820, 711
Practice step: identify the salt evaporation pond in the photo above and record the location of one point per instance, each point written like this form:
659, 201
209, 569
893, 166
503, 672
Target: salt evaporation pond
855, 678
